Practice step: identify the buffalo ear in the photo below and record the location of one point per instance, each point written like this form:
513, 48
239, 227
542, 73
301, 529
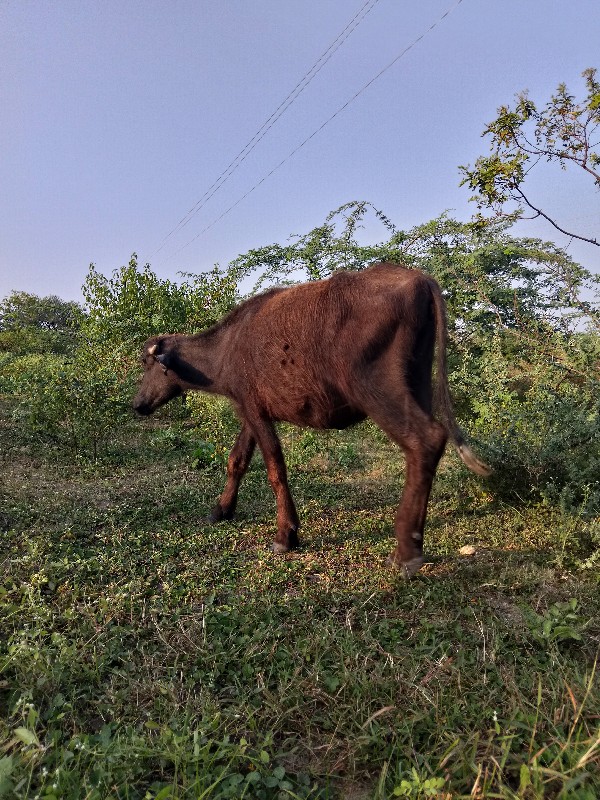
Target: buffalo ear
162, 352
165, 360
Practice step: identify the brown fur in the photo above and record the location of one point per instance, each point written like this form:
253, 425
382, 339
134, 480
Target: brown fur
326, 354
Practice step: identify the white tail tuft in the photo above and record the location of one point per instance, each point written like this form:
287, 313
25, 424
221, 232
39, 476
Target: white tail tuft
471, 460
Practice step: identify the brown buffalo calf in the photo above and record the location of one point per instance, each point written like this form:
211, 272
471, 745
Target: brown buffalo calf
326, 354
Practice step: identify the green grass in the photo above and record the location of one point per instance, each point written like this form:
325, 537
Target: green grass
145, 654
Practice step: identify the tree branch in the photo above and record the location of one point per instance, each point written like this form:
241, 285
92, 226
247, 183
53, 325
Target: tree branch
540, 213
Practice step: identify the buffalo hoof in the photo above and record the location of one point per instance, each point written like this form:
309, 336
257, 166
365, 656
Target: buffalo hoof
292, 542
406, 568
218, 515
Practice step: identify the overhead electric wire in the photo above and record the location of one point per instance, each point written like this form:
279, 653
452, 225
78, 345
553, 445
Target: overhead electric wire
302, 84
320, 128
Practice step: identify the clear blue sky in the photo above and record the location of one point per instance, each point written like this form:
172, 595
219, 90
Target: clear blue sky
117, 116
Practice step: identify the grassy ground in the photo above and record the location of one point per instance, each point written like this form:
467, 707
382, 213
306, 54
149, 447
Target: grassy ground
144, 654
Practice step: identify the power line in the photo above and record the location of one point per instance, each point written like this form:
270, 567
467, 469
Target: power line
321, 127
302, 84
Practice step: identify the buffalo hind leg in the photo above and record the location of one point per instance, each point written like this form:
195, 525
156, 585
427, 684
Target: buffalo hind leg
423, 440
237, 464
287, 517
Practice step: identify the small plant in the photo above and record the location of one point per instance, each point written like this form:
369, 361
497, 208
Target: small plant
560, 623
346, 455
417, 787
305, 447
209, 454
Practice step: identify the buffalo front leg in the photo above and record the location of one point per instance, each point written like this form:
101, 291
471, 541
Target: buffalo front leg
287, 517
237, 464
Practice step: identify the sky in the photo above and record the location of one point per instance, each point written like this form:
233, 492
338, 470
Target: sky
118, 116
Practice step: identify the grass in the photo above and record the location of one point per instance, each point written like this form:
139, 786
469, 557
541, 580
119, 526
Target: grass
145, 654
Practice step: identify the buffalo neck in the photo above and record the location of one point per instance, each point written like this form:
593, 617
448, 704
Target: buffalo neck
200, 360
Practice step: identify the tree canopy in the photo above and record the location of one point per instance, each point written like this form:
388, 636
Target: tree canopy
564, 131
29, 323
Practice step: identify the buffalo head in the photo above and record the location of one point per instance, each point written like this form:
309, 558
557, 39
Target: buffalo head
160, 381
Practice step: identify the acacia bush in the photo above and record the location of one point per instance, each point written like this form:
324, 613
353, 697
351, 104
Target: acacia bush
537, 425
546, 443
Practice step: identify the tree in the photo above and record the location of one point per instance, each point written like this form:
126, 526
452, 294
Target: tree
564, 131
134, 303
29, 323
330, 246
490, 278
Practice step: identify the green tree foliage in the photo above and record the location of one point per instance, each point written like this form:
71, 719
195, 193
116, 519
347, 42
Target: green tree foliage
564, 131
323, 250
76, 400
29, 323
134, 303
490, 278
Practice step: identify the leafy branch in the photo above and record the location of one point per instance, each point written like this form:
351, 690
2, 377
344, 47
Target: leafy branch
563, 132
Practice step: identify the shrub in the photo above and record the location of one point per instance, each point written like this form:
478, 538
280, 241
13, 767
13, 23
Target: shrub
545, 445
216, 427
72, 405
